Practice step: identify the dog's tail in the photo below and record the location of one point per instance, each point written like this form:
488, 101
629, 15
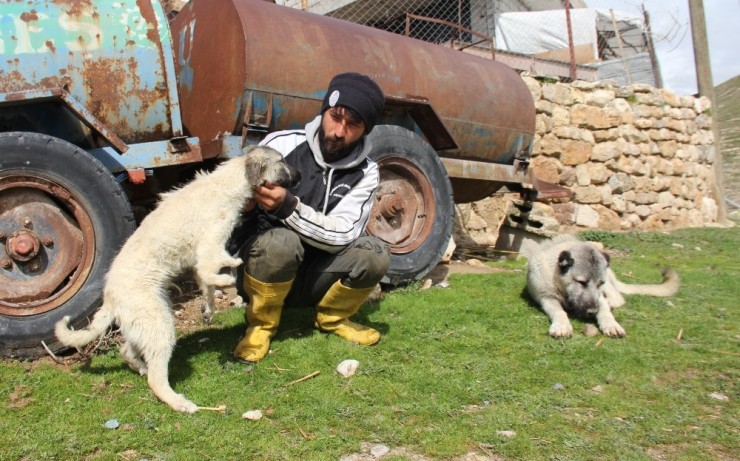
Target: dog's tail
668, 287
102, 319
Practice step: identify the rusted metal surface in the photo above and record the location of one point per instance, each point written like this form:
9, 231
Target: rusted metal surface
404, 212
46, 250
427, 118
484, 104
61, 95
156, 154
113, 58
494, 176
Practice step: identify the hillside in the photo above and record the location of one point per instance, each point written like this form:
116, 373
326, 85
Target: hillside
727, 96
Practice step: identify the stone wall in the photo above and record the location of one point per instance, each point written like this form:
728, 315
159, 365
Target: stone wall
634, 157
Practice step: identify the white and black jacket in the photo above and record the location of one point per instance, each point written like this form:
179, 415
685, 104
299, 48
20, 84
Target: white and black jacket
330, 207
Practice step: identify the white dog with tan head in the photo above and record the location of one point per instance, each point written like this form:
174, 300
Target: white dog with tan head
187, 230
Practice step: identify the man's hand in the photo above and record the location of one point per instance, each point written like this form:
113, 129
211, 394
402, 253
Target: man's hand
269, 196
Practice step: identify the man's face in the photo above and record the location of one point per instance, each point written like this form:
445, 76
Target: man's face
339, 134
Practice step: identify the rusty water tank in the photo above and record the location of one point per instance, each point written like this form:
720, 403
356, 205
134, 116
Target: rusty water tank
113, 58
255, 58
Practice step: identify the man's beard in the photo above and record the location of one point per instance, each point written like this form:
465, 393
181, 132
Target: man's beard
334, 149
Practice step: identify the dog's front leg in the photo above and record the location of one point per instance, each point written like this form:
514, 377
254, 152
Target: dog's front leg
210, 266
560, 326
607, 323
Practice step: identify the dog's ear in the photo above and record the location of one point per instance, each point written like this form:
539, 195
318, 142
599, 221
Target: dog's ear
565, 261
254, 167
606, 256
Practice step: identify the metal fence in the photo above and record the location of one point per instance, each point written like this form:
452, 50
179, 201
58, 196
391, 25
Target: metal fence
588, 36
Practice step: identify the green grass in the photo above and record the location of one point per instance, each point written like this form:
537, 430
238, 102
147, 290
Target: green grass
455, 366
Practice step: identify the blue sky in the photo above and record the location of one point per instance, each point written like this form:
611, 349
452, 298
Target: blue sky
672, 29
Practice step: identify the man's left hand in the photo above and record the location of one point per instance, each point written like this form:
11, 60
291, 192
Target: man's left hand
269, 196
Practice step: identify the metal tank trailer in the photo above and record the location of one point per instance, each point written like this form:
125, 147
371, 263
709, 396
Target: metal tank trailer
105, 104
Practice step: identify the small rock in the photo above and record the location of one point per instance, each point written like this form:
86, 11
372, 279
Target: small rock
238, 301
203, 340
348, 367
718, 396
598, 389
590, 330
253, 415
112, 424
426, 285
474, 263
218, 294
508, 434
558, 387
376, 451
676, 245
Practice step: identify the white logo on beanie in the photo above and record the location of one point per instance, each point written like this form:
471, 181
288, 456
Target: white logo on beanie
333, 98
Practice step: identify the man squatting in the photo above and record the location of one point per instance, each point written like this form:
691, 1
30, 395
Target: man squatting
305, 246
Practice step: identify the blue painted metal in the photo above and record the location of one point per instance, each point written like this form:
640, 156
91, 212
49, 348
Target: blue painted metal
158, 154
114, 58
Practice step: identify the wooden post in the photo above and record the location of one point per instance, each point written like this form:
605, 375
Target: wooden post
658, 76
618, 35
706, 88
569, 26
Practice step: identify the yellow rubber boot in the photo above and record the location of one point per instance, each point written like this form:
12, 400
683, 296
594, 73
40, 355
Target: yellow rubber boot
335, 308
263, 317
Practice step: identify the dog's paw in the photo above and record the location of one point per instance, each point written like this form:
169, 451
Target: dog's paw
184, 405
206, 314
612, 329
233, 262
562, 329
220, 280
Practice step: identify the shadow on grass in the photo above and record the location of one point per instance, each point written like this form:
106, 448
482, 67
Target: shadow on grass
221, 340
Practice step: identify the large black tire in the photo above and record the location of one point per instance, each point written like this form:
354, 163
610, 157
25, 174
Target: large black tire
63, 218
414, 209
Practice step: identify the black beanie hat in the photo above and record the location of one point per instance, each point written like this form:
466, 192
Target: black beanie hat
357, 92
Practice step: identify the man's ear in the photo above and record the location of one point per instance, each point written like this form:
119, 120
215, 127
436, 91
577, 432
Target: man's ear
565, 261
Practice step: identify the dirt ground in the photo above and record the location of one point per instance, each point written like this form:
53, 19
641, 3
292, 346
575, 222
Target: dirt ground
187, 300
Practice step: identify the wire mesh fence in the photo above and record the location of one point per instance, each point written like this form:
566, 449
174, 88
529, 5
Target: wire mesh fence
588, 33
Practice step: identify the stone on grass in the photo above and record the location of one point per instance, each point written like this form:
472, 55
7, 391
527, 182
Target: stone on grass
348, 367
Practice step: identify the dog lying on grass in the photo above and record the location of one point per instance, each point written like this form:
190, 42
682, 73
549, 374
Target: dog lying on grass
188, 229
566, 275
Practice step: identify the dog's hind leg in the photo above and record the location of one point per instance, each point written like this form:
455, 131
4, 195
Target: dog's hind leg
613, 296
158, 380
153, 335
133, 357
207, 308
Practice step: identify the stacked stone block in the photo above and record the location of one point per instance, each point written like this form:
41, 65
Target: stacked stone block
635, 157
